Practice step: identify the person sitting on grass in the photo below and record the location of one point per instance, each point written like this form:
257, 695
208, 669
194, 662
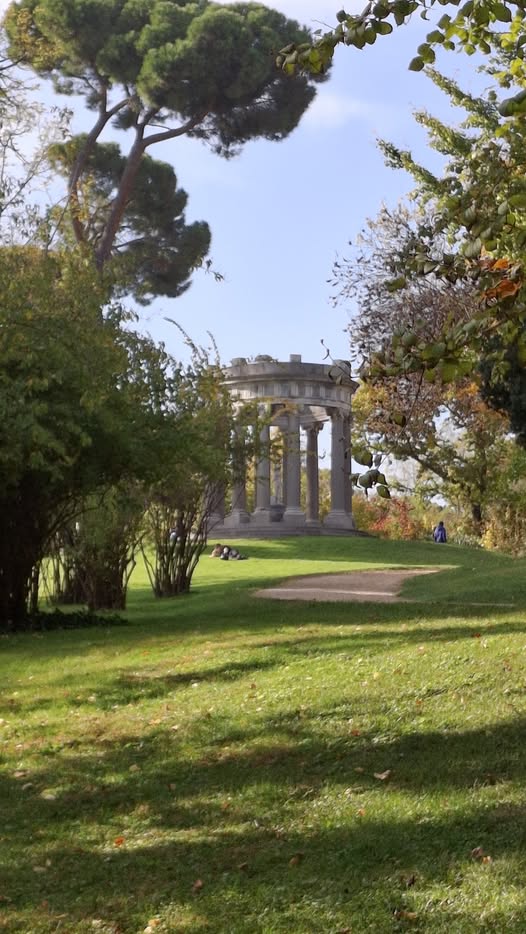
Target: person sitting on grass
231, 553
217, 551
439, 533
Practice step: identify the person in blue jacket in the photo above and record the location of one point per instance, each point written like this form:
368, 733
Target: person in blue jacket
439, 533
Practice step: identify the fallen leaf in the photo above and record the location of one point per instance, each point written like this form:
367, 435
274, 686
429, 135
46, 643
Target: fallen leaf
356, 732
477, 853
487, 859
360, 812
402, 915
198, 885
296, 859
383, 776
359, 768
243, 867
119, 841
134, 768
225, 805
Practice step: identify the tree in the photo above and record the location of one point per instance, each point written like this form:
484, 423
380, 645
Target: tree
447, 429
59, 411
191, 484
27, 129
139, 67
88, 408
470, 236
505, 526
103, 544
454, 438
373, 278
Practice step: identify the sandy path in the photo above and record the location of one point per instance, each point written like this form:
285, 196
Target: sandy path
359, 586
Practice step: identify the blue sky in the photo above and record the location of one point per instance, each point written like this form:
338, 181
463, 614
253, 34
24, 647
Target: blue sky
281, 212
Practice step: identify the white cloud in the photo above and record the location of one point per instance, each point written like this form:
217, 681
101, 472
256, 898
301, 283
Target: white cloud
331, 110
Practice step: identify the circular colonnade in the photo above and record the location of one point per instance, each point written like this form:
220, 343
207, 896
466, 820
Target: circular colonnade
292, 398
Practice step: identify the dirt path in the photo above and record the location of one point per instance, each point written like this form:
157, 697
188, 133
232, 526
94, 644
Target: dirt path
358, 586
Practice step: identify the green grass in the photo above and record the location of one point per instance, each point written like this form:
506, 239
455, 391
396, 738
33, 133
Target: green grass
213, 766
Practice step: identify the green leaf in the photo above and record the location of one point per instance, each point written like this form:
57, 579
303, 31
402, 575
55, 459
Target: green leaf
383, 29
416, 64
362, 456
502, 13
365, 480
449, 371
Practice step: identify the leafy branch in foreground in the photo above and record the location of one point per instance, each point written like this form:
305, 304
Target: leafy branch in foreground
468, 27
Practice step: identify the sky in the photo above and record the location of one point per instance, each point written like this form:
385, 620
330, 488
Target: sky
281, 213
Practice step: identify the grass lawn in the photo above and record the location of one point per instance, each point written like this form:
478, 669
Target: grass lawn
230, 764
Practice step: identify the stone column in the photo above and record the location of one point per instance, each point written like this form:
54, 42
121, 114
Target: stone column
261, 513
217, 511
284, 469
339, 517
347, 467
293, 515
238, 515
277, 482
313, 485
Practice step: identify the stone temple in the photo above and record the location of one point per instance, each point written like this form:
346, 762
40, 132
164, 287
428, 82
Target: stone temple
294, 401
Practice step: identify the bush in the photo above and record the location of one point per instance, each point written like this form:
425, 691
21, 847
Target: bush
395, 519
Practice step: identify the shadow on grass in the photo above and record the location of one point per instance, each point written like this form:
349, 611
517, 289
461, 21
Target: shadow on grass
274, 649
231, 819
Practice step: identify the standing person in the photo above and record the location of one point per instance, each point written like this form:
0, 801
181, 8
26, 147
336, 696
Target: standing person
439, 533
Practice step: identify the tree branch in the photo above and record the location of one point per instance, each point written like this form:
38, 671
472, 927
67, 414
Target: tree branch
177, 131
82, 157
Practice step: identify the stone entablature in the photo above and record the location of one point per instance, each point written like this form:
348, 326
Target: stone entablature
296, 397
304, 383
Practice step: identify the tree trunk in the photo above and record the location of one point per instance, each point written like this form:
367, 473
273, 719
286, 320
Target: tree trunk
476, 514
21, 545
